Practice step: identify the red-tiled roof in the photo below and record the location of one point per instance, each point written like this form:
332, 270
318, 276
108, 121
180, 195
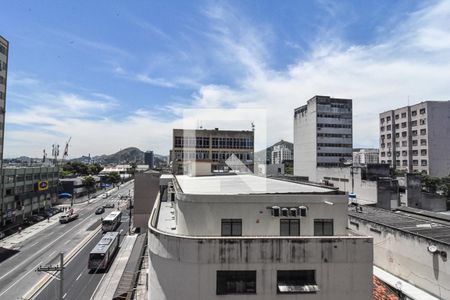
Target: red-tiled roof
382, 291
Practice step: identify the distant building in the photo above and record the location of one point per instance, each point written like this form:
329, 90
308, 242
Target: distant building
149, 159
365, 156
322, 135
280, 154
411, 249
26, 191
215, 145
250, 237
416, 138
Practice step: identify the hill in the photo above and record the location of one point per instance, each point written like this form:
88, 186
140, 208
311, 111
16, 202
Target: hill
266, 155
127, 155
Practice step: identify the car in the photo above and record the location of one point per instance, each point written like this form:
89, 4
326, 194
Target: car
100, 210
108, 205
36, 218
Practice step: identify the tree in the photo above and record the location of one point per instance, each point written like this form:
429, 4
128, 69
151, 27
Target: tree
430, 183
89, 183
113, 177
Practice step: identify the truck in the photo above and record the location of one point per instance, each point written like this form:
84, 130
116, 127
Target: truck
68, 217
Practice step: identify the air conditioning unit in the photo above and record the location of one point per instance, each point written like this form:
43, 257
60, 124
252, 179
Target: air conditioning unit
302, 210
285, 212
275, 211
293, 212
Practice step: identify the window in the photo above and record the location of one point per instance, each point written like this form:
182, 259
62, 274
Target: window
423, 152
422, 111
397, 135
323, 227
423, 162
404, 134
289, 227
414, 113
389, 127
388, 119
414, 142
382, 128
423, 131
231, 227
397, 162
397, 126
415, 162
397, 153
423, 121
383, 154
397, 144
404, 153
382, 120
396, 117
404, 125
415, 152
404, 143
423, 142
236, 282
404, 162
296, 281
414, 133
404, 115
414, 123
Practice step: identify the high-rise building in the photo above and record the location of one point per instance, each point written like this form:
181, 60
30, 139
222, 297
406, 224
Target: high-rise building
281, 153
4, 48
149, 159
322, 135
215, 145
364, 156
416, 138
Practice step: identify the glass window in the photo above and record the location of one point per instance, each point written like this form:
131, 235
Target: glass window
423, 142
423, 162
396, 117
414, 123
389, 127
423, 131
296, 281
231, 227
323, 227
289, 227
422, 111
414, 113
404, 115
388, 119
397, 126
423, 152
236, 282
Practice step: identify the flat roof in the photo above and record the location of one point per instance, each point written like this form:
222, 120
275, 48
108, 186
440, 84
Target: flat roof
413, 223
245, 184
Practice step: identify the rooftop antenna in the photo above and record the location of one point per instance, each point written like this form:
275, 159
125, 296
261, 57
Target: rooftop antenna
253, 127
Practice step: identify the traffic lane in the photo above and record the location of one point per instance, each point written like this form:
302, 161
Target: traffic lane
79, 281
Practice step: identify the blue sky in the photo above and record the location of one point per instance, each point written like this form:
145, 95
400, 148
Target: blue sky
113, 74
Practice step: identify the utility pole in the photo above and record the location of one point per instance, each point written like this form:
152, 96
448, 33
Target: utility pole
129, 220
56, 268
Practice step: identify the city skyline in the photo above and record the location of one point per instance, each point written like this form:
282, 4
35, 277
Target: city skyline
96, 72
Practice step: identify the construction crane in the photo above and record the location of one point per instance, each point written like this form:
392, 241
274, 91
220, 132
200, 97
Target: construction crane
66, 150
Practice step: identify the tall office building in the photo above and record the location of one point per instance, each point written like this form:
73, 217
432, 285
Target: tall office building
215, 145
149, 159
417, 138
364, 156
4, 47
322, 135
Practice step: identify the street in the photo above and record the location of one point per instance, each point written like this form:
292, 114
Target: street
18, 273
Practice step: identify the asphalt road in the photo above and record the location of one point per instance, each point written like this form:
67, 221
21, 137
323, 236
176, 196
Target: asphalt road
17, 273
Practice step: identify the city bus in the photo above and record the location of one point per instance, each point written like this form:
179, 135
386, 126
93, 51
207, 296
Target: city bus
102, 254
111, 221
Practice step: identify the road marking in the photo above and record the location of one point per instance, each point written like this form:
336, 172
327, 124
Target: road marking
79, 276
52, 253
34, 244
39, 252
68, 241
98, 285
24, 275
64, 296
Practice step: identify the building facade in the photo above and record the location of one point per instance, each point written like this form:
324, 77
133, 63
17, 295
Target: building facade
4, 47
416, 138
322, 135
250, 237
363, 157
149, 159
215, 145
280, 154
27, 190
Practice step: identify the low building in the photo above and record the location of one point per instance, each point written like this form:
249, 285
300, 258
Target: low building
74, 186
411, 249
250, 237
280, 154
25, 191
364, 156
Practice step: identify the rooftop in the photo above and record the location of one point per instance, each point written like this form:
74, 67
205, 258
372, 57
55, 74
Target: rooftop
245, 184
413, 223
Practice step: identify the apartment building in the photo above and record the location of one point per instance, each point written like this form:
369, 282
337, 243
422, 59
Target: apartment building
4, 47
250, 237
322, 135
364, 156
416, 138
214, 145
280, 154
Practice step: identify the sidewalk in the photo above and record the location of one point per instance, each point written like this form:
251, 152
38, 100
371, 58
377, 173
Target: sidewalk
108, 286
14, 241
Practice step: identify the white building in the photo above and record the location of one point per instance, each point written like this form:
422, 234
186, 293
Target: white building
416, 138
322, 135
365, 156
281, 153
249, 237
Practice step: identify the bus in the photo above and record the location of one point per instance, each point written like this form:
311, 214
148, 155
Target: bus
102, 254
111, 221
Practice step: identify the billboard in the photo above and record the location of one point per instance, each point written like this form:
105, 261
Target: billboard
43, 185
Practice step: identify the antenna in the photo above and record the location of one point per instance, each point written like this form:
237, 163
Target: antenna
253, 126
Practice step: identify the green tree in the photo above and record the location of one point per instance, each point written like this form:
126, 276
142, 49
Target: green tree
113, 177
89, 184
430, 183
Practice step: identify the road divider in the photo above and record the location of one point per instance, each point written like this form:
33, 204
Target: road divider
67, 259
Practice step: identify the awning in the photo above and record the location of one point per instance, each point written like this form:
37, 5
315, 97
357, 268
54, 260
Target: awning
65, 195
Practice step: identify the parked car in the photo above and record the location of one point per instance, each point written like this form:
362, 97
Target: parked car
100, 210
37, 218
108, 205
28, 221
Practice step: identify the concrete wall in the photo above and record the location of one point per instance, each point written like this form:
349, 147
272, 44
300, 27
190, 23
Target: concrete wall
203, 218
416, 198
183, 268
305, 146
406, 256
439, 138
146, 189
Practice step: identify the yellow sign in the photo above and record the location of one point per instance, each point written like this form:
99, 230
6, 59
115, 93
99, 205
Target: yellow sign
43, 185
